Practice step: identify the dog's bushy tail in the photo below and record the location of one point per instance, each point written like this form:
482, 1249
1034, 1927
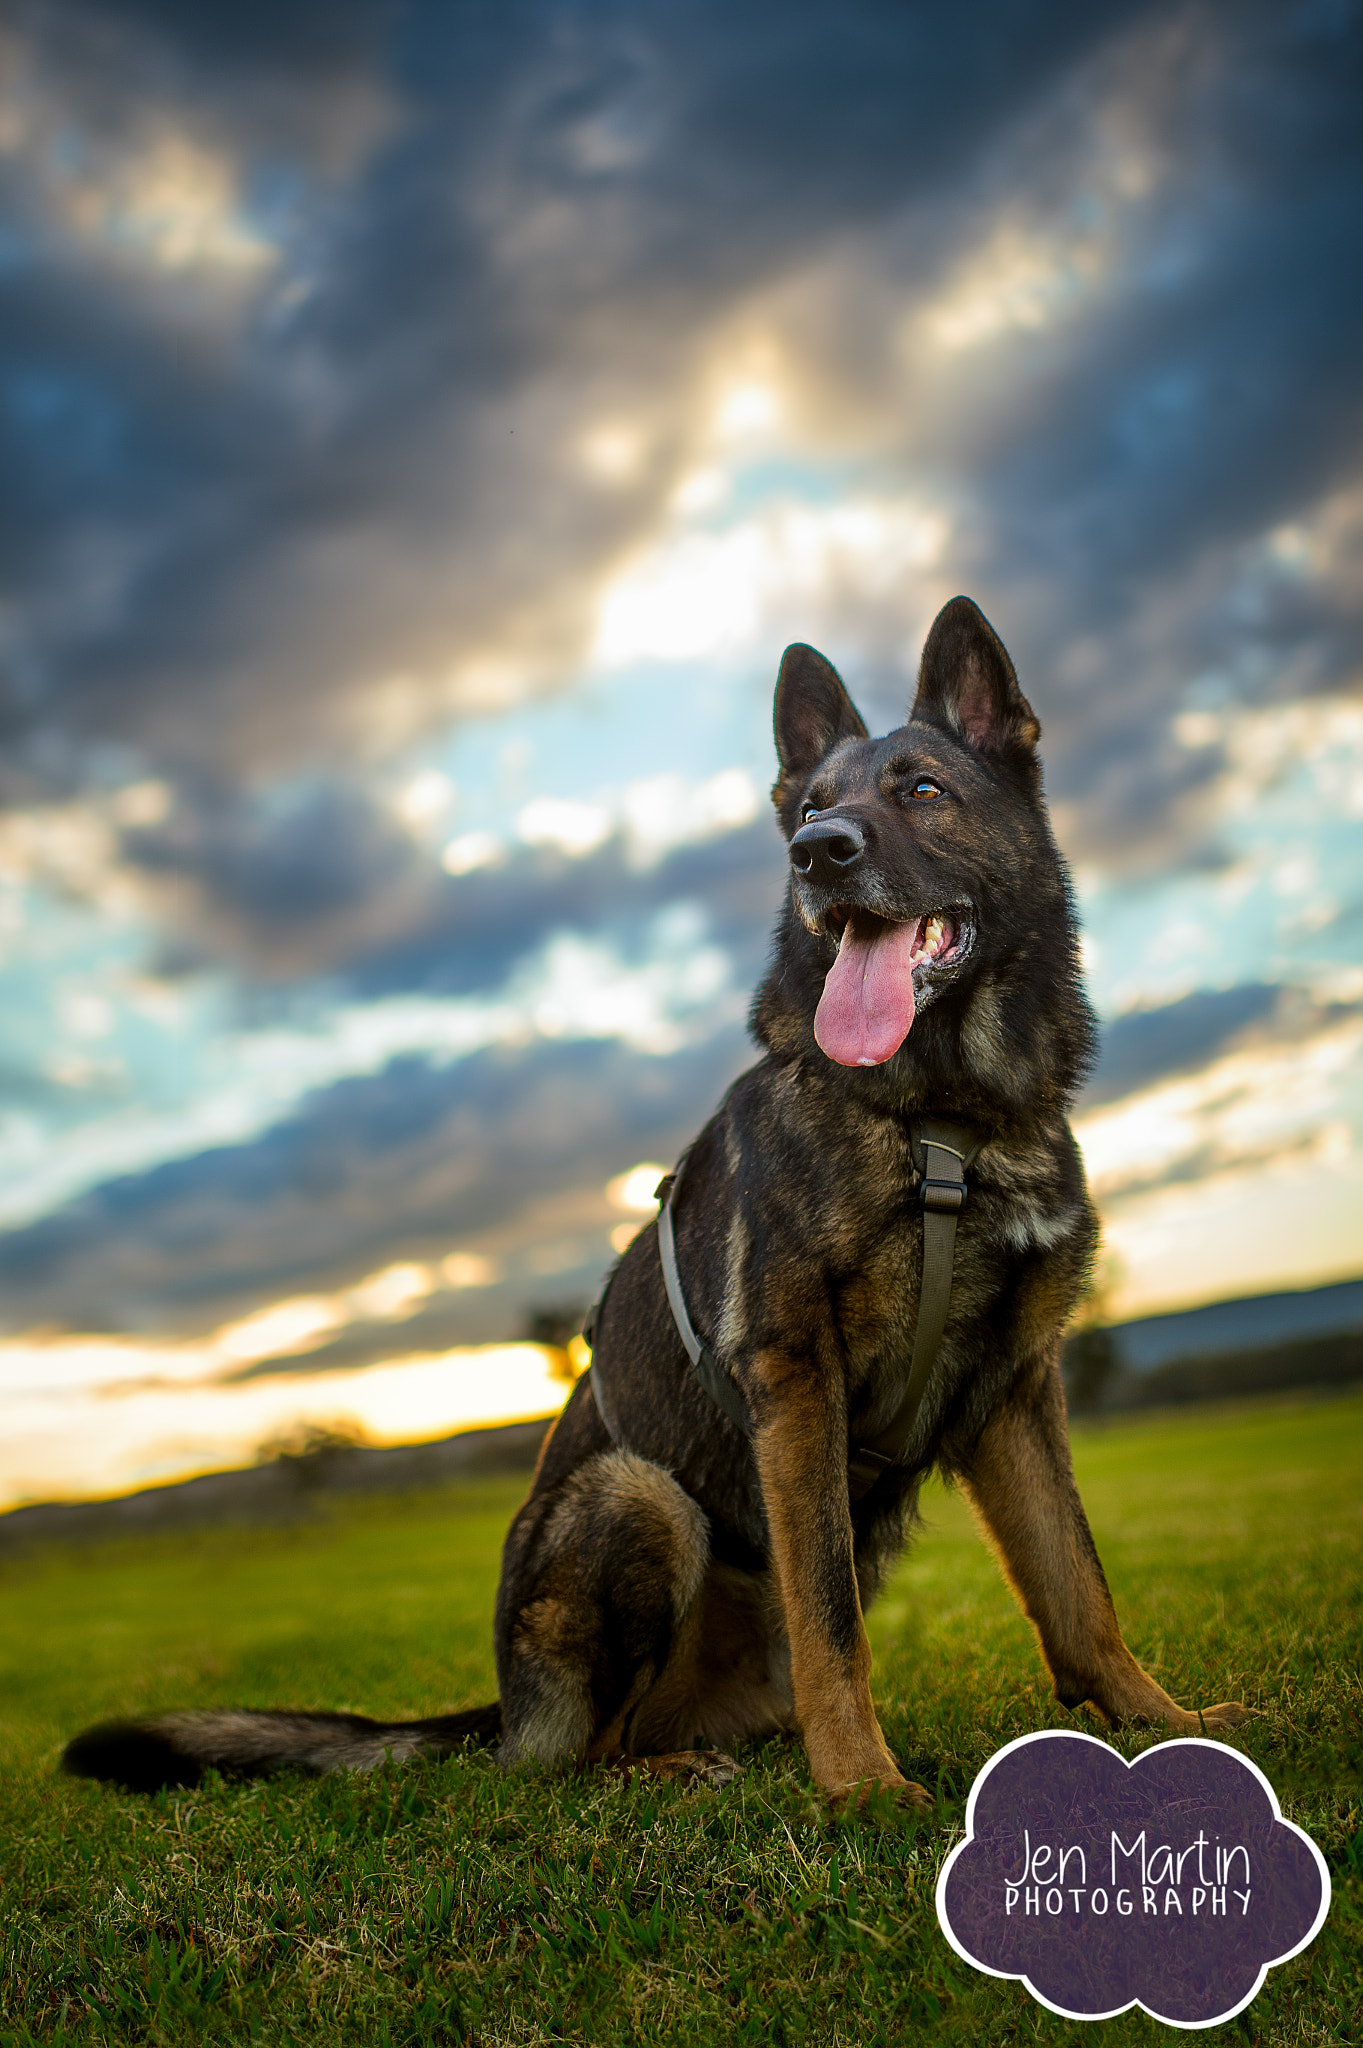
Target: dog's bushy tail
176, 1749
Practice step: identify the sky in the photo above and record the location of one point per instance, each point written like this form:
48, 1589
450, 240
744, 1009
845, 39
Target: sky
421, 429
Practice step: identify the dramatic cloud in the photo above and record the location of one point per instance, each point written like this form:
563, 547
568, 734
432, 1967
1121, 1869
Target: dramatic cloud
502, 1157
342, 365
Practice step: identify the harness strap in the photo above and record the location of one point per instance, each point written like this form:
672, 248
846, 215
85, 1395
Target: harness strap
942, 1152
948, 1149
709, 1371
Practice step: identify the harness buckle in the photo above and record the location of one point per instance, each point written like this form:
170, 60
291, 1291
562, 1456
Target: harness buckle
947, 1196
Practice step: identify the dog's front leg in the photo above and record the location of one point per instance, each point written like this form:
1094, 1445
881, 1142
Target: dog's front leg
801, 1451
1021, 1483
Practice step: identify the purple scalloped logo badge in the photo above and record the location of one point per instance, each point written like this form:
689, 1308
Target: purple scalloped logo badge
1172, 1883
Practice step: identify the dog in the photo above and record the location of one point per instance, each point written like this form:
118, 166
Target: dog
882, 1234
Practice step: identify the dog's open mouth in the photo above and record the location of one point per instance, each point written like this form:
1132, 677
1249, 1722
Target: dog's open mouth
881, 973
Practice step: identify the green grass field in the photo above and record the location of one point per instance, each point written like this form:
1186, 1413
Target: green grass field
450, 1904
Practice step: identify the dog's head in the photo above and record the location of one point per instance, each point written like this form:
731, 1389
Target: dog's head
922, 860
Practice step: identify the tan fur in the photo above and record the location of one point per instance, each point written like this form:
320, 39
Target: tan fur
628, 1486
800, 1462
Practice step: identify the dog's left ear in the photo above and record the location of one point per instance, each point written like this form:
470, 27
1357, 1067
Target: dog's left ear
967, 684
813, 712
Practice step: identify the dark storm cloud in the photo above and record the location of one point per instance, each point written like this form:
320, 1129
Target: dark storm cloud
1218, 400
233, 532
1147, 1045
512, 1146
283, 881
1177, 378
317, 877
254, 520
481, 924
506, 1152
1221, 388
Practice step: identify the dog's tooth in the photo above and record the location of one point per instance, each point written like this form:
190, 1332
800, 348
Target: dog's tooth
932, 937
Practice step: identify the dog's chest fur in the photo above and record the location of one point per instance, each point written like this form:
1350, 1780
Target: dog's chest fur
802, 1234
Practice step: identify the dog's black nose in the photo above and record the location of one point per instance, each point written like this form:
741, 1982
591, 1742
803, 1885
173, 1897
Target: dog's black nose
826, 848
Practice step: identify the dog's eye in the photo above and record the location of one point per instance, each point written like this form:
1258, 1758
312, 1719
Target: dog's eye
925, 790
808, 811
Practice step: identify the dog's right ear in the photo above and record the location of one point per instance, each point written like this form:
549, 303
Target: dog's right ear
967, 685
813, 712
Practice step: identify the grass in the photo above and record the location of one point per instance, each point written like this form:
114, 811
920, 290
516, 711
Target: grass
448, 1903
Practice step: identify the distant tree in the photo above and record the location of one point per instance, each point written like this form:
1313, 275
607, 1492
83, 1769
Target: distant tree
1090, 1363
555, 1325
312, 1450
559, 1329
1091, 1359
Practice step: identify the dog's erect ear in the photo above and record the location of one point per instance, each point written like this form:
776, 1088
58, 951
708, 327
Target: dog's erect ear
813, 712
967, 684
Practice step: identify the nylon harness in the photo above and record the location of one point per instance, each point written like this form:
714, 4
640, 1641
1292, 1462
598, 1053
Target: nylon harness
946, 1150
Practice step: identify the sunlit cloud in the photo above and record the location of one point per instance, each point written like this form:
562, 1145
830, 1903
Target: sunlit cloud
61, 1441
1016, 281
107, 1368
469, 1269
746, 411
1040, 258
701, 490
1280, 1223
158, 195
428, 796
397, 1291
1321, 736
1257, 1102
637, 1189
1283, 803
142, 803
614, 452
468, 851
575, 828
694, 595
175, 202
1235, 1179
73, 850
284, 1328
666, 811
656, 815
583, 991
573, 987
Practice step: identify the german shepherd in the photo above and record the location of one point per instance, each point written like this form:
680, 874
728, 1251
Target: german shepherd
676, 1584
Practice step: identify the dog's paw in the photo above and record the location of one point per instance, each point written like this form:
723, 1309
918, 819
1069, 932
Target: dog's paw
902, 1792
1200, 1721
1230, 1714
712, 1767
684, 1767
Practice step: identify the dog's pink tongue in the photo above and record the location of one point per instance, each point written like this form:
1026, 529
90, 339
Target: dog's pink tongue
866, 1009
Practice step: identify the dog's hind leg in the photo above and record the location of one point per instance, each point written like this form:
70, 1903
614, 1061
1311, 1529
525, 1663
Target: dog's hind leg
599, 1578
1021, 1483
